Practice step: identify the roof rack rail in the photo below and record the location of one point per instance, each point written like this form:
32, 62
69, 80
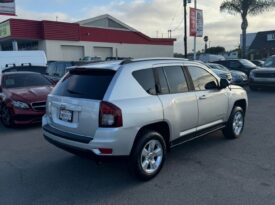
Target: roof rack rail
10, 65
128, 61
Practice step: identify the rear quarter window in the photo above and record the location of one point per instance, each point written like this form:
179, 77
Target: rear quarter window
87, 84
146, 79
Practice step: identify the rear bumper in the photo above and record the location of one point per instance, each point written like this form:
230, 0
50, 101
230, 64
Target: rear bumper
119, 140
84, 152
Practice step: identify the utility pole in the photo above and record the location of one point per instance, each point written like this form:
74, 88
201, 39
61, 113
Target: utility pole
205, 40
169, 33
185, 28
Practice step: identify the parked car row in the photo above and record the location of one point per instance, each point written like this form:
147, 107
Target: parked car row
263, 77
233, 76
245, 72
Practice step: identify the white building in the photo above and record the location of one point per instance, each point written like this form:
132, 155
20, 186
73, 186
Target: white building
103, 36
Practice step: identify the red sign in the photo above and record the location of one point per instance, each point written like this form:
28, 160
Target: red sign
196, 22
193, 24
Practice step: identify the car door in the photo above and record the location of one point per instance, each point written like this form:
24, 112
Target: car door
212, 101
180, 106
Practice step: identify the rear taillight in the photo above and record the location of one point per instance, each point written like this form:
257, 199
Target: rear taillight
109, 115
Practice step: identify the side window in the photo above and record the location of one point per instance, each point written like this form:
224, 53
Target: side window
162, 82
146, 79
60, 69
202, 80
51, 70
234, 64
176, 79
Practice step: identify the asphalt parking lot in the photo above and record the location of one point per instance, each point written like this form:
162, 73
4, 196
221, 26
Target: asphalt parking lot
210, 170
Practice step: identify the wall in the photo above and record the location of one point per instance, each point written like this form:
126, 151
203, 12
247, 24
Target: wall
53, 49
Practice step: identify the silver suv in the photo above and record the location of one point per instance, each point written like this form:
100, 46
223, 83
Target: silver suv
141, 108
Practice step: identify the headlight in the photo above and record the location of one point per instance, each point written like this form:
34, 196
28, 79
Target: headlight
244, 77
20, 105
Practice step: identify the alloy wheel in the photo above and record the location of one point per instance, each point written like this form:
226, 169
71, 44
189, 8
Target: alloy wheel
151, 156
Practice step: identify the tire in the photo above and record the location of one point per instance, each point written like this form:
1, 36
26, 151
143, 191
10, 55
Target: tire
148, 155
235, 124
6, 118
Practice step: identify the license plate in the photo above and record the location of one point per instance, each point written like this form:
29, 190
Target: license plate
66, 115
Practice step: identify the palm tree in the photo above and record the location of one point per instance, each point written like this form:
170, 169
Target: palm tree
245, 8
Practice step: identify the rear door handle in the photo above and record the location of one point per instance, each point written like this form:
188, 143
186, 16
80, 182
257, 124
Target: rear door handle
203, 97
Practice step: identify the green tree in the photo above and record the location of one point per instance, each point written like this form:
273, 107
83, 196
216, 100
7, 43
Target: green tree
215, 50
245, 8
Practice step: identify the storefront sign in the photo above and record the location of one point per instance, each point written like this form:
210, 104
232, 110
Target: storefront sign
7, 7
5, 29
271, 37
196, 22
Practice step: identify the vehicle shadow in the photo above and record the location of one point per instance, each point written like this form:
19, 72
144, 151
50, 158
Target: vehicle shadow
18, 128
79, 180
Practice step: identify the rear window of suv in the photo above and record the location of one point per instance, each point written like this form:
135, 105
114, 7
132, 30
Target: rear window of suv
85, 83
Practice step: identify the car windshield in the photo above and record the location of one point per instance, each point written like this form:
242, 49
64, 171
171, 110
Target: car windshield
20, 80
270, 62
218, 67
247, 63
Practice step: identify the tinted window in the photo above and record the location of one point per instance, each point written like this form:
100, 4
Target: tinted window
202, 79
247, 63
224, 63
146, 79
162, 82
176, 79
234, 64
88, 84
270, 62
60, 69
24, 80
51, 70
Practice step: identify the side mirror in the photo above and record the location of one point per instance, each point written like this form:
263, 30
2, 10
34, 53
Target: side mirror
223, 83
211, 85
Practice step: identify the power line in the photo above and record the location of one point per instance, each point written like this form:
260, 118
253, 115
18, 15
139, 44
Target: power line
178, 26
176, 14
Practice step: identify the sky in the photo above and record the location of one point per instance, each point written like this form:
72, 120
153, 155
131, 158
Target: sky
151, 17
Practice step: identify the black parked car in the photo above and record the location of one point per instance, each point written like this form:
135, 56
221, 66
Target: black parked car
238, 77
259, 63
242, 65
263, 77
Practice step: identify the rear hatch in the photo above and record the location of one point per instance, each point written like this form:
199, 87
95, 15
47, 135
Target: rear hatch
74, 104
